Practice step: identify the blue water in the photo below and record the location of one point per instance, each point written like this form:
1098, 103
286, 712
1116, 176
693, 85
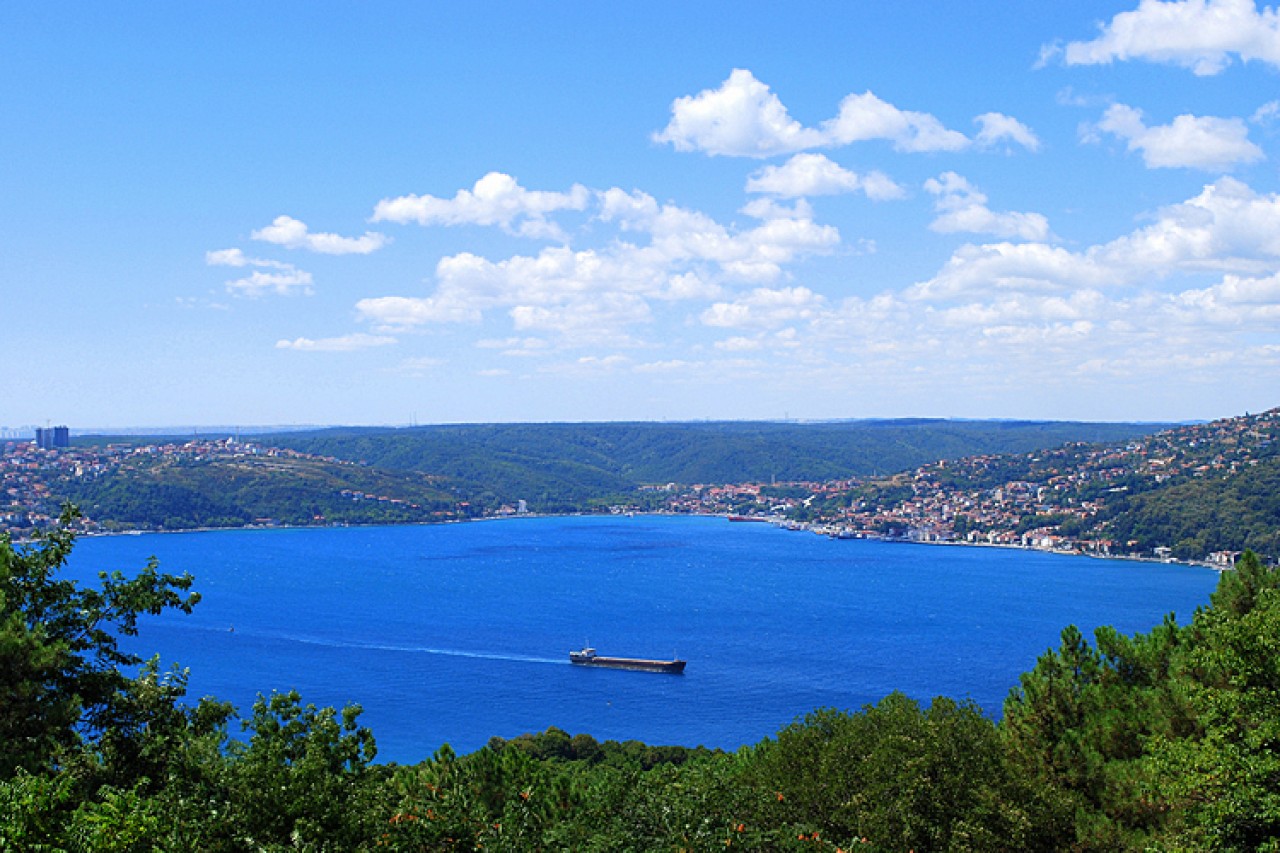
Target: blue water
456, 633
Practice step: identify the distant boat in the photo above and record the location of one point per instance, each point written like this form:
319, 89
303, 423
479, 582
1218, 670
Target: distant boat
747, 518
587, 657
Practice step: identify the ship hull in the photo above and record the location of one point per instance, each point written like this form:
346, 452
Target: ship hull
675, 667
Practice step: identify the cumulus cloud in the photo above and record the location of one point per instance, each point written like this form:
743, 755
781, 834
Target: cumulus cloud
514, 346
815, 174
237, 258
258, 283
961, 207
287, 281
764, 307
744, 118
226, 258
679, 236
586, 320
1185, 296
1202, 35
739, 343
496, 199
294, 234
1236, 301
1266, 114
865, 117
997, 127
1227, 227
402, 312
1195, 142
663, 254
345, 343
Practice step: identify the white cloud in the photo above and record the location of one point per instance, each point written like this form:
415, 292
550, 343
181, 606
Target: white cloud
402, 312
589, 365
419, 366
1189, 297
1203, 35
1196, 142
288, 281
237, 258
258, 283
689, 285
1266, 114
1227, 227
740, 119
1006, 310
680, 236
512, 343
588, 320
961, 207
671, 365
815, 174
739, 344
517, 347
744, 118
763, 307
225, 258
663, 254
496, 199
1235, 302
996, 127
294, 234
865, 117
346, 343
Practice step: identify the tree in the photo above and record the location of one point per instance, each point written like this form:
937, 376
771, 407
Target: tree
1225, 781
316, 764
903, 776
62, 678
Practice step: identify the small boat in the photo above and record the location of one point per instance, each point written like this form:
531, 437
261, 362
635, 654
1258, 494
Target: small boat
587, 657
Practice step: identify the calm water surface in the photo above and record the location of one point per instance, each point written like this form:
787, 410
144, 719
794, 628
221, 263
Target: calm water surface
455, 633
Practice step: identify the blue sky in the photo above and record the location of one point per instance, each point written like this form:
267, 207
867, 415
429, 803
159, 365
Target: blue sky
381, 213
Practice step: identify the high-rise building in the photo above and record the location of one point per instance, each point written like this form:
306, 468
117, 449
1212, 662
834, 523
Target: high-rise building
50, 438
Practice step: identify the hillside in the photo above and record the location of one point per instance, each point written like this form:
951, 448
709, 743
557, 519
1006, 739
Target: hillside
351, 475
176, 491
557, 466
1194, 492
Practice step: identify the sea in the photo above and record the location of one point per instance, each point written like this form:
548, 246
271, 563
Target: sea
456, 633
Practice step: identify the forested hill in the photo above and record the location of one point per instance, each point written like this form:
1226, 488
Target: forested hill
574, 462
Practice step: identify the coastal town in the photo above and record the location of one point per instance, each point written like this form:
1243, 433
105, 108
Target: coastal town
1048, 500
1057, 499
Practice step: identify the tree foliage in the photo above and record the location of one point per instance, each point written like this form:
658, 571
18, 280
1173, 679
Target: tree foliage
63, 675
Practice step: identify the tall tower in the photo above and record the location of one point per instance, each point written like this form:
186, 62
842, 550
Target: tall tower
49, 438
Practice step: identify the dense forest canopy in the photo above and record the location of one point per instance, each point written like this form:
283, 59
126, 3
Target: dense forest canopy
621, 455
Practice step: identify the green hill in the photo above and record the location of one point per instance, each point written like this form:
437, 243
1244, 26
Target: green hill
556, 466
177, 494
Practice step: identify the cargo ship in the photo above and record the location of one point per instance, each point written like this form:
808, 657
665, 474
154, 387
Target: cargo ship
587, 657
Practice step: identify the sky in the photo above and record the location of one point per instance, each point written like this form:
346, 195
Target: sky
395, 213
